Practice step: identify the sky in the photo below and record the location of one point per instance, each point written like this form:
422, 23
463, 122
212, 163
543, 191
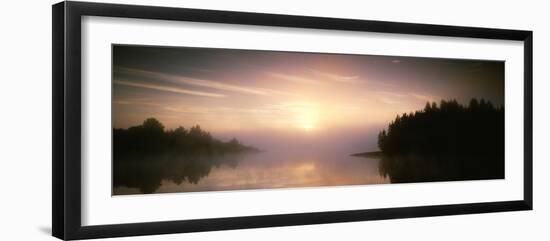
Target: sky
260, 95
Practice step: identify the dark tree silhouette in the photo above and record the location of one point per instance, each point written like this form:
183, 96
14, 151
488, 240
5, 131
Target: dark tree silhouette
145, 155
445, 142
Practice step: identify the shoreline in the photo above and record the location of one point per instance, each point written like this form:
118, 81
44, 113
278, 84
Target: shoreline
368, 154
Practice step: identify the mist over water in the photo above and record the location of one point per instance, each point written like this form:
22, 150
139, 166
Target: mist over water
283, 159
343, 141
280, 169
150, 159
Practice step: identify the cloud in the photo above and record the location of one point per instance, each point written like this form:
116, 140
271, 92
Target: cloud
293, 78
135, 102
197, 82
187, 110
353, 79
396, 97
427, 98
392, 94
168, 89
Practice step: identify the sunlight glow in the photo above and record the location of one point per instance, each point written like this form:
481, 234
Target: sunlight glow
308, 127
305, 167
306, 116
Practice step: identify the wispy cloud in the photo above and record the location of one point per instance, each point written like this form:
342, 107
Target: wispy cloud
188, 110
318, 77
350, 79
400, 97
293, 78
222, 111
197, 82
135, 102
428, 98
169, 89
389, 93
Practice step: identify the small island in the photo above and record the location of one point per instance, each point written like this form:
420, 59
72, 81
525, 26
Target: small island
374, 154
147, 154
151, 137
448, 141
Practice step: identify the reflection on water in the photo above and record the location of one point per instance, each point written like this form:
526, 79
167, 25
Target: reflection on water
178, 173
170, 173
406, 169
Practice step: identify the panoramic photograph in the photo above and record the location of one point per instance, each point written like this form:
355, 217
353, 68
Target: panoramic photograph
188, 119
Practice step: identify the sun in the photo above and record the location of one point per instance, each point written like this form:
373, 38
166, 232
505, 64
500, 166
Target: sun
307, 119
308, 127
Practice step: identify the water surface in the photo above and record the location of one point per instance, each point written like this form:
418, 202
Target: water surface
246, 171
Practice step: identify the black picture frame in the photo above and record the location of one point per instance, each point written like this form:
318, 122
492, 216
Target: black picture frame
66, 127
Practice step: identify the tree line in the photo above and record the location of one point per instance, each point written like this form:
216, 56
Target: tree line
147, 154
447, 129
151, 137
449, 141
